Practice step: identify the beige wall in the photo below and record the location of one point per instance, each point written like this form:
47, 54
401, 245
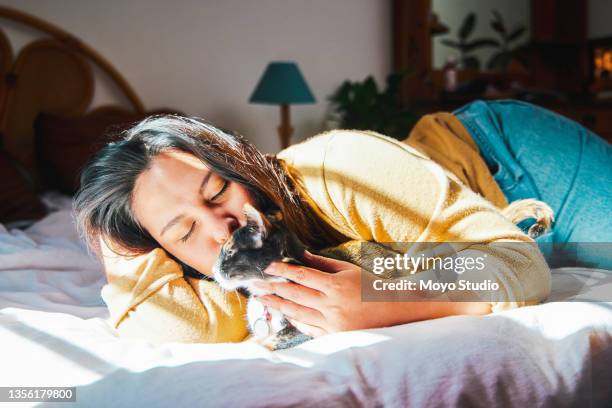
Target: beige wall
205, 57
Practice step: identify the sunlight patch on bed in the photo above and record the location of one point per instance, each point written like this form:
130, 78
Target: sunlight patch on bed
333, 343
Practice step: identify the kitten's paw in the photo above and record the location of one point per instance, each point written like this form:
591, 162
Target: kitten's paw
272, 343
281, 341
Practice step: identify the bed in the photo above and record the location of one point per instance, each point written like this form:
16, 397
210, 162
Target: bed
54, 332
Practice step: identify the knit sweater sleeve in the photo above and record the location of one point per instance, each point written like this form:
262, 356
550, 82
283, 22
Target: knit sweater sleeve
149, 298
379, 189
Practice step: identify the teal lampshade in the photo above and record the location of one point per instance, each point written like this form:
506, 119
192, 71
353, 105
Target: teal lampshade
282, 83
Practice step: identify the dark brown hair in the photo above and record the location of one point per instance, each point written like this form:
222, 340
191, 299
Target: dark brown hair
103, 203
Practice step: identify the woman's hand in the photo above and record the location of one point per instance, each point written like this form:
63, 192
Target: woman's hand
325, 297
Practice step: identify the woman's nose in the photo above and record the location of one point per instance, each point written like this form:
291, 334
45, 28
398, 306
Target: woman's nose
225, 229
221, 238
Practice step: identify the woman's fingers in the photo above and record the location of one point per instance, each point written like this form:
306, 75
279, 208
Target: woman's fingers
294, 292
323, 263
301, 274
292, 310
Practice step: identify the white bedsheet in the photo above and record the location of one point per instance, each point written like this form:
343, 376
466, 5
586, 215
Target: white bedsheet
53, 333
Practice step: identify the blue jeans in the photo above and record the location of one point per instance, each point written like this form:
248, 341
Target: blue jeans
535, 153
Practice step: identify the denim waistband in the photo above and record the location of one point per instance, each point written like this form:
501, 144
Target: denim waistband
483, 125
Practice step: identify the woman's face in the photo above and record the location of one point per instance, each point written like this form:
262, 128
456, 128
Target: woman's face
188, 209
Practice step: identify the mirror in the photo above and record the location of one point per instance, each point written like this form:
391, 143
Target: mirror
480, 34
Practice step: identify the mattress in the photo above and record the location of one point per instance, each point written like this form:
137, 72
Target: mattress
54, 332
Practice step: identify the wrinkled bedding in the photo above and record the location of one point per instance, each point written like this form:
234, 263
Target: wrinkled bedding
53, 332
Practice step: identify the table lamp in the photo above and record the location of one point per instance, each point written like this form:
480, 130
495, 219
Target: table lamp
282, 84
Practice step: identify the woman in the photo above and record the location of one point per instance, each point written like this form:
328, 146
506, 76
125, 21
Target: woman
180, 184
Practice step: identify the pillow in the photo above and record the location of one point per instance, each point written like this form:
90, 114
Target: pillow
64, 144
18, 200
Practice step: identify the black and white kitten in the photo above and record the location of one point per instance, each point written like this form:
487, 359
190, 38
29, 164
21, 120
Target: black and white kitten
242, 261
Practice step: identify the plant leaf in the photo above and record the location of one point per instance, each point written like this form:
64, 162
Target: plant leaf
498, 28
496, 16
394, 80
467, 26
498, 23
451, 43
480, 43
518, 31
370, 88
360, 105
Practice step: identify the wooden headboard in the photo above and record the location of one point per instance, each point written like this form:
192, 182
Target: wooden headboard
54, 75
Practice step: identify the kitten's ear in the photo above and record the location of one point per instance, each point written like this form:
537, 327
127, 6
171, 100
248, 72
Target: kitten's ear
256, 223
276, 216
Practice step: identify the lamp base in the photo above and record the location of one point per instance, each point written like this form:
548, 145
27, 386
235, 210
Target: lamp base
285, 130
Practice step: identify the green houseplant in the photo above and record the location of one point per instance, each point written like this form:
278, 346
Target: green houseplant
361, 105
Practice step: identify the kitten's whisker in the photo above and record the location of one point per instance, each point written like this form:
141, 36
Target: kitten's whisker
261, 273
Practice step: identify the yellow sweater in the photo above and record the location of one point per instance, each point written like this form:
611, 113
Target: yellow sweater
368, 186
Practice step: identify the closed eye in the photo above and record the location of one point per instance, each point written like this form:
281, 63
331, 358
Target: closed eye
225, 185
186, 237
